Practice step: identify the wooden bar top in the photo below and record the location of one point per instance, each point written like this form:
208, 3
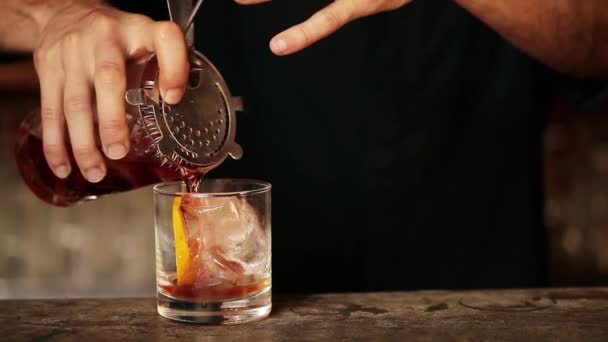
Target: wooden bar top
504, 315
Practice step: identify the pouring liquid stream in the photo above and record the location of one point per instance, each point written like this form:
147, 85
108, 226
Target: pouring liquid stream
192, 179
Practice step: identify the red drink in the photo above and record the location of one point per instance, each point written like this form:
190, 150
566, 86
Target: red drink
221, 251
214, 293
213, 251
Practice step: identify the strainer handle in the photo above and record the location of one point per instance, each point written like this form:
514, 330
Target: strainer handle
187, 27
179, 12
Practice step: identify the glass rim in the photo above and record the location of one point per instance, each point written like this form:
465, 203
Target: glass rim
263, 187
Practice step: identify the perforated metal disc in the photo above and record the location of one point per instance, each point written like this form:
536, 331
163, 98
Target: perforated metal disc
199, 131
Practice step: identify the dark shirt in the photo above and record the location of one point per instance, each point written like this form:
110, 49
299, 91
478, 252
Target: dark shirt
404, 150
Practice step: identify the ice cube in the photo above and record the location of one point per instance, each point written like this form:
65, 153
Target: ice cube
228, 242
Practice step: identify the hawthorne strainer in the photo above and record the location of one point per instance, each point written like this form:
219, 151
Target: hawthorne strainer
198, 133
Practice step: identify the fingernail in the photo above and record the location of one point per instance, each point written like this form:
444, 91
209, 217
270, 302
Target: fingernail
62, 171
116, 151
278, 46
94, 174
173, 95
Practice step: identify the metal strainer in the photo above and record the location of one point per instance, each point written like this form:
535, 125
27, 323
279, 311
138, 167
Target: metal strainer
197, 133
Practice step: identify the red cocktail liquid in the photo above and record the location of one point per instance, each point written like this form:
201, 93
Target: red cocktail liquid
214, 293
139, 168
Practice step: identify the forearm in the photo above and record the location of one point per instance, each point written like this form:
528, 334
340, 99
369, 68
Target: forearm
568, 35
22, 21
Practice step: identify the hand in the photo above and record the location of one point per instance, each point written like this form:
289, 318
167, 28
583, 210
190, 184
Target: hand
325, 22
81, 61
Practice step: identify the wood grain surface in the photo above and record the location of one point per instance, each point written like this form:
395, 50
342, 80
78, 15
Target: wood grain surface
507, 315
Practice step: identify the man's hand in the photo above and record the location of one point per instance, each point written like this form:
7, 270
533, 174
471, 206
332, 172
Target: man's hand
325, 22
81, 57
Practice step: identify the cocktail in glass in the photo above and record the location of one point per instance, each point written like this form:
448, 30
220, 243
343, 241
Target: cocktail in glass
213, 251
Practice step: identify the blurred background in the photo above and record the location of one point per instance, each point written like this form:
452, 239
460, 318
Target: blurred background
106, 247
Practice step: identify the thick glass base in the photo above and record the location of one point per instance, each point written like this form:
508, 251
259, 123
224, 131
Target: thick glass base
240, 311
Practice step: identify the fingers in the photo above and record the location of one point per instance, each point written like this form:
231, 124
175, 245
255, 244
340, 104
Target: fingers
319, 26
172, 54
79, 114
110, 86
143, 37
93, 54
50, 73
250, 2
